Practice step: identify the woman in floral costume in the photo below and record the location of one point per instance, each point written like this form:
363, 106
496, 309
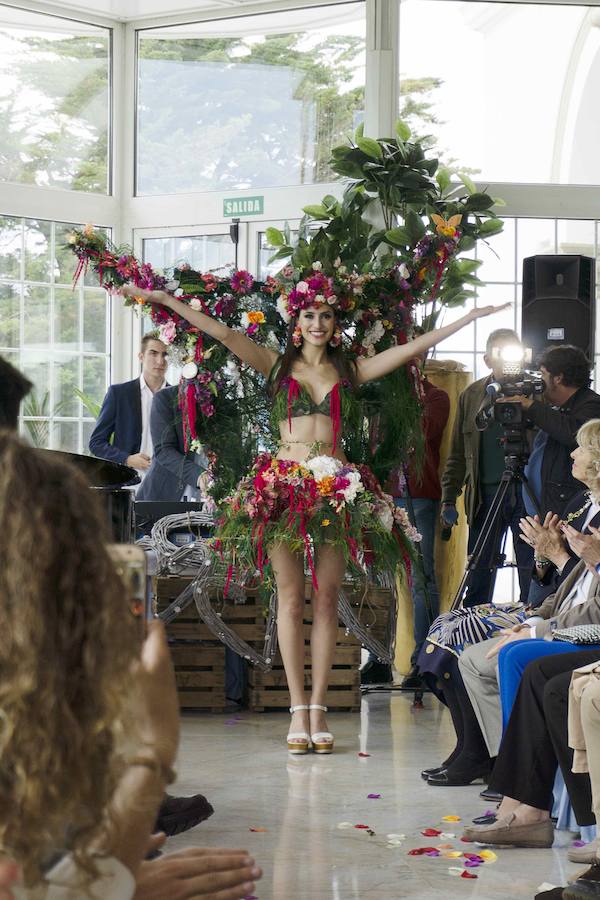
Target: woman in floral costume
307, 500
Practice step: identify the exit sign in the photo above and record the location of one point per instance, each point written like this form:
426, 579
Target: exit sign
243, 206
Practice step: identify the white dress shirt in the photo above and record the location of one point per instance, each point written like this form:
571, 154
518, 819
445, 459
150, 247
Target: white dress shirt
146, 443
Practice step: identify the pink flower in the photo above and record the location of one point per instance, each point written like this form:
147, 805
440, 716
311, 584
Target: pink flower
207, 409
167, 332
241, 282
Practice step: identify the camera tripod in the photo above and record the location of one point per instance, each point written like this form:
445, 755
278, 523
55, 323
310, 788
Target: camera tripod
491, 531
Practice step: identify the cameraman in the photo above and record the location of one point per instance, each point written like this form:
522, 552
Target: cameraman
568, 403
476, 462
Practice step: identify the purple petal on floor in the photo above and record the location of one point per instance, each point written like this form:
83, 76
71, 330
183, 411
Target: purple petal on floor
373, 796
579, 843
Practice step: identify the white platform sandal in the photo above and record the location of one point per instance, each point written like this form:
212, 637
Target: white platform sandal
322, 741
298, 741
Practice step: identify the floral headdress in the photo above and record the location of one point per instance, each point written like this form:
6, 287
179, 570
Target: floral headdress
315, 289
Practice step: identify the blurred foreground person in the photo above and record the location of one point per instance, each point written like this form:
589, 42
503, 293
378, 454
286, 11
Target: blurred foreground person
84, 764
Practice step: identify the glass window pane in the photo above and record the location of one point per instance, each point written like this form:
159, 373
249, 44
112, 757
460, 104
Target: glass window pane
38, 243
66, 319
95, 320
48, 348
11, 239
55, 100
202, 251
498, 255
94, 378
266, 98
10, 306
460, 342
545, 93
65, 436
534, 236
496, 295
66, 379
36, 321
575, 236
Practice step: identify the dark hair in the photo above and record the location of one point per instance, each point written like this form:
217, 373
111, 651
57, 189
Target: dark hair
568, 361
13, 387
150, 336
336, 356
501, 334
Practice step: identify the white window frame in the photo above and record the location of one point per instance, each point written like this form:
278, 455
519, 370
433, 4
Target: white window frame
127, 215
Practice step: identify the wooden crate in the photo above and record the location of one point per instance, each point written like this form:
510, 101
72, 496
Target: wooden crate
268, 690
247, 619
374, 608
200, 675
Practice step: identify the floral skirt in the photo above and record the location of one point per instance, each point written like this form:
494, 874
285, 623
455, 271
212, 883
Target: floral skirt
304, 506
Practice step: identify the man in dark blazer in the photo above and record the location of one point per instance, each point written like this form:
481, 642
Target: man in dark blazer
173, 472
125, 413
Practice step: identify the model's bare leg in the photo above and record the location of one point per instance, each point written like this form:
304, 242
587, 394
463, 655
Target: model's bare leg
288, 569
329, 570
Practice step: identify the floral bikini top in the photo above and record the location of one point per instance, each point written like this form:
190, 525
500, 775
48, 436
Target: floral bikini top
293, 400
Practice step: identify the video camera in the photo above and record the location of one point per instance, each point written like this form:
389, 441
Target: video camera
516, 381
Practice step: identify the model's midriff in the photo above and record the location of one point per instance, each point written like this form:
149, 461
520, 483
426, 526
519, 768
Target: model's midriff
308, 436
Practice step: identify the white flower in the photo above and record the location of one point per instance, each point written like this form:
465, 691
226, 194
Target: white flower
337, 262
171, 285
272, 341
384, 514
178, 292
403, 271
195, 303
317, 266
302, 287
323, 466
373, 334
319, 298
244, 320
370, 350
282, 309
355, 487
232, 371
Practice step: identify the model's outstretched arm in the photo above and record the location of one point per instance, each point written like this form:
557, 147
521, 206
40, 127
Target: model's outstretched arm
260, 358
385, 362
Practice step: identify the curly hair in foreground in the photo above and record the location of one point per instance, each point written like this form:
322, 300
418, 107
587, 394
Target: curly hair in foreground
588, 438
67, 643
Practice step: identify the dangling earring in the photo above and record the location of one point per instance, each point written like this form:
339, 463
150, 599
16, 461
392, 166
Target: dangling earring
297, 338
336, 338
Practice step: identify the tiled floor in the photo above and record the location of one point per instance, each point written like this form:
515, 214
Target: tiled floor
243, 768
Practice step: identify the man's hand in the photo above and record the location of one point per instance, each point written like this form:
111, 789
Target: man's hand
138, 461
546, 539
448, 515
523, 634
586, 546
210, 873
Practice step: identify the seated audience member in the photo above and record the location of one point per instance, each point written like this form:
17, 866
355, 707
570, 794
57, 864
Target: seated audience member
534, 744
174, 474
84, 763
122, 431
460, 641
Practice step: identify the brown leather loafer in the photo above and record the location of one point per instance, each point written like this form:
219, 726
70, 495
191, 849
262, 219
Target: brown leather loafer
506, 832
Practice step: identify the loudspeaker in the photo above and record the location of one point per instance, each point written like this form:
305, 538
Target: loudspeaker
558, 302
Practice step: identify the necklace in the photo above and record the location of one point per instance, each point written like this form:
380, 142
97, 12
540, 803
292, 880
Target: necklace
575, 515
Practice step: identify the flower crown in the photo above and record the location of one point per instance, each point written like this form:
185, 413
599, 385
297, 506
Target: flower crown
314, 290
